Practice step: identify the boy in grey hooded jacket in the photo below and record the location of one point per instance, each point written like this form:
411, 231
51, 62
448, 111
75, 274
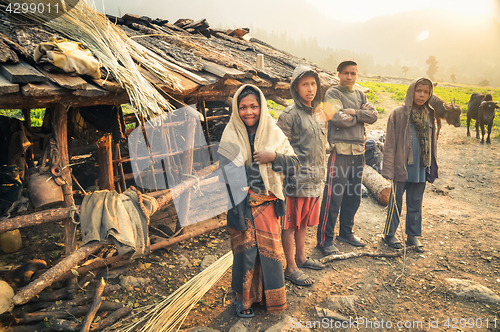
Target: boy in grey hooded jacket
304, 124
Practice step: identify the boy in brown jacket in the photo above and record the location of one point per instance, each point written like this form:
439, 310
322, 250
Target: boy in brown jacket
410, 161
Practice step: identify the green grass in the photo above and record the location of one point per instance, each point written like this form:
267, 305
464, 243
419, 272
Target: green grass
37, 115
275, 109
460, 93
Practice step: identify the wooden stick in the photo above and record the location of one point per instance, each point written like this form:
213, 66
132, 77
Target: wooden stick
199, 228
94, 307
74, 311
46, 279
111, 319
339, 257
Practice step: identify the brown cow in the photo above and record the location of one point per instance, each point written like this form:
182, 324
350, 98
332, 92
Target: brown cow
449, 111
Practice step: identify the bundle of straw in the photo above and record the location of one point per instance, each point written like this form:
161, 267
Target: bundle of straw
114, 50
171, 313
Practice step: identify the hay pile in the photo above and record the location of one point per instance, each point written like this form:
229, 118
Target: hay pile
120, 55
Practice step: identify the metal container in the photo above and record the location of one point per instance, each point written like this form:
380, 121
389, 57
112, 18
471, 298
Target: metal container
44, 190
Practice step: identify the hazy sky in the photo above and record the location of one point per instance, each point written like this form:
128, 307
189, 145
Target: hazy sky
362, 10
222, 12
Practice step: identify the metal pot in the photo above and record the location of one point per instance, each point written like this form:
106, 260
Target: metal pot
44, 190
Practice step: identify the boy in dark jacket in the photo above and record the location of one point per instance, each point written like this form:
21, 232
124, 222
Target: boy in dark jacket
410, 161
304, 125
349, 110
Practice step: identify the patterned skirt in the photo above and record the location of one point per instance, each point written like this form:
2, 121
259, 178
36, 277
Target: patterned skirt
258, 258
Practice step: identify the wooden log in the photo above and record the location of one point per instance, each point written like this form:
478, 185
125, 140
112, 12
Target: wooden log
106, 179
19, 101
377, 185
348, 255
75, 311
81, 300
65, 80
111, 319
6, 87
45, 280
191, 231
94, 307
36, 218
114, 261
21, 73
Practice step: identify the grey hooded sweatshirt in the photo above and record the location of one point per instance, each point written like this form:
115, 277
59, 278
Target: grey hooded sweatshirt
305, 128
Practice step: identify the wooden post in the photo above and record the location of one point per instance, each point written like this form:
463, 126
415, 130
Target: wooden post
105, 163
187, 167
60, 127
27, 124
119, 166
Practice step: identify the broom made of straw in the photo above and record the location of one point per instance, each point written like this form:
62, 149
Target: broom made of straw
170, 314
114, 50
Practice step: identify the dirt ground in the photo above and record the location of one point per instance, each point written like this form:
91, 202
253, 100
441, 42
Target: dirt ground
461, 228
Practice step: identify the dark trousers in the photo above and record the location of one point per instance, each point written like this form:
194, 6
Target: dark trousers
342, 194
414, 197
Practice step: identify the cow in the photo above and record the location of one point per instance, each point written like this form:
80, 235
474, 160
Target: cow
448, 111
482, 109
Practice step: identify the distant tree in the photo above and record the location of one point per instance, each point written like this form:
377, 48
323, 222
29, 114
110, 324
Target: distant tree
484, 82
453, 78
405, 69
433, 67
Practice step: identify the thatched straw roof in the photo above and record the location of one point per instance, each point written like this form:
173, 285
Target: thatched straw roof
210, 64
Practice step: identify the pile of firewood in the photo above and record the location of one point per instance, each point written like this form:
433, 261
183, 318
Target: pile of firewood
71, 308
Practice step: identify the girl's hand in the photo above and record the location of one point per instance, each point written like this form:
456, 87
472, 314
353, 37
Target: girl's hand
264, 157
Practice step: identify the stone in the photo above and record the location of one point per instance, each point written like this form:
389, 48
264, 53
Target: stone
327, 313
113, 273
207, 261
342, 302
469, 289
182, 261
241, 325
287, 324
201, 329
131, 282
6, 297
11, 241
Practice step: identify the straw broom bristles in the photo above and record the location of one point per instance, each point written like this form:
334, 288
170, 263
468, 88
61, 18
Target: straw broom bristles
115, 51
171, 313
